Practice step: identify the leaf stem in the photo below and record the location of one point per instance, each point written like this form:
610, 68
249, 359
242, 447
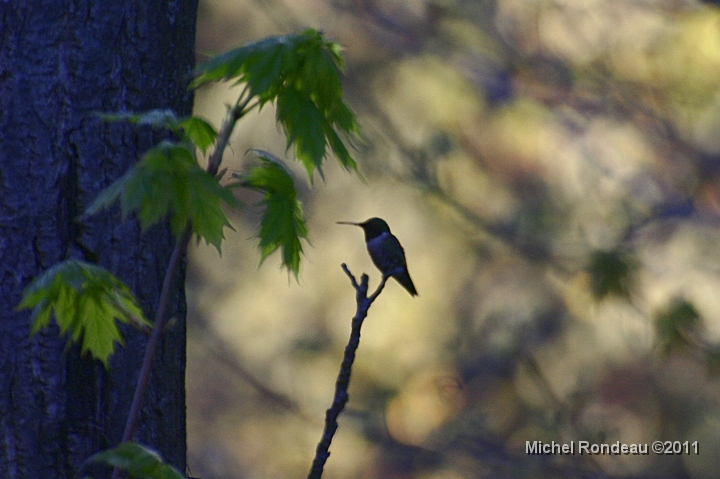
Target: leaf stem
248, 109
142, 384
233, 115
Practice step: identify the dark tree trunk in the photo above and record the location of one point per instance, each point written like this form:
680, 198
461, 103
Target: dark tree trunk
60, 62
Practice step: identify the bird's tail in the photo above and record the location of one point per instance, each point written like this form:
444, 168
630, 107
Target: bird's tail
403, 278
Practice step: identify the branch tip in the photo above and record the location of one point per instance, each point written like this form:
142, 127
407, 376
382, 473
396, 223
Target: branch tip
350, 275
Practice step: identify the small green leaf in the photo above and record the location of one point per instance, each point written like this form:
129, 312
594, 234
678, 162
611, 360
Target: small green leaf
265, 68
159, 118
168, 182
199, 132
139, 461
612, 273
283, 223
204, 207
86, 300
675, 322
338, 147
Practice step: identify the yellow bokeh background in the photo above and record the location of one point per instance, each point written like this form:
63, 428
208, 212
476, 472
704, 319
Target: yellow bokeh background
504, 142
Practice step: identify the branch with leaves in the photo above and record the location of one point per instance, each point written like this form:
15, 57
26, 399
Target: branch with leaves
300, 74
343, 380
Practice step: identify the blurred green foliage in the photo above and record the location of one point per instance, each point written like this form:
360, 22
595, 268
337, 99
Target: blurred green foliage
612, 272
675, 323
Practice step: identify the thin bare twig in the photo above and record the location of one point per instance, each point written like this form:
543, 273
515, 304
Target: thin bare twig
343, 380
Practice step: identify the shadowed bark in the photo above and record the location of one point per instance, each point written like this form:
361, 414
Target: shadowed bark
60, 62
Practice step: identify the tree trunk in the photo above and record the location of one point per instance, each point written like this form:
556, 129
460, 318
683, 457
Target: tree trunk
61, 61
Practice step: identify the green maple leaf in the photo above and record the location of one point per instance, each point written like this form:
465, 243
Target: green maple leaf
283, 222
86, 301
167, 182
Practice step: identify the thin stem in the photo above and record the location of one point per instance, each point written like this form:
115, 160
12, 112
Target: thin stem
233, 115
248, 109
141, 387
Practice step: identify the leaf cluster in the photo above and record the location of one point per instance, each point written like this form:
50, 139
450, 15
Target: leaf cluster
86, 301
168, 181
301, 73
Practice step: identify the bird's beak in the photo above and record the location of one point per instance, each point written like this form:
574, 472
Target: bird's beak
348, 223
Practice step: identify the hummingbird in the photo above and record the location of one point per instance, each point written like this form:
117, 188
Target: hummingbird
385, 251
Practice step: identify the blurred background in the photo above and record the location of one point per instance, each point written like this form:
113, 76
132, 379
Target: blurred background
552, 168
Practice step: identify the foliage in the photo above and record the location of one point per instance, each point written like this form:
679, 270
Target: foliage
283, 224
86, 300
169, 182
301, 73
612, 273
139, 461
193, 130
199, 132
674, 323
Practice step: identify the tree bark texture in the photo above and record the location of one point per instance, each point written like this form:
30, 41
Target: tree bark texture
61, 61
